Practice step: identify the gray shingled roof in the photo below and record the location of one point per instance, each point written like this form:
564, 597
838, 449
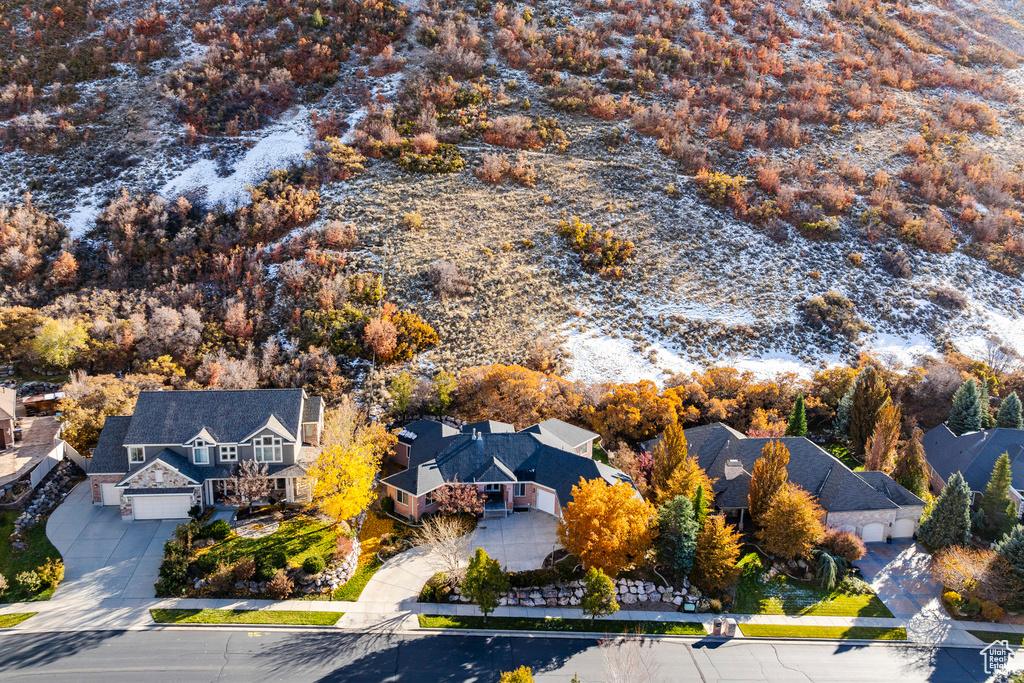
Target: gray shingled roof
891, 489
489, 427
975, 454
110, 456
175, 417
572, 435
432, 437
503, 457
837, 487
311, 409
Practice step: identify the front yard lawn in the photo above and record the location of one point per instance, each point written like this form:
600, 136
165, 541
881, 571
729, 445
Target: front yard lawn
600, 454
238, 616
9, 620
783, 595
298, 538
581, 625
13, 562
832, 632
993, 636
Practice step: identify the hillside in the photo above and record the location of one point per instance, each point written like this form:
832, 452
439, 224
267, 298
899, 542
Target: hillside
774, 186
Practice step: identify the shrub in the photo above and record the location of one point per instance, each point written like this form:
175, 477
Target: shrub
29, 580
313, 565
268, 563
532, 577
173, 570
445, 279
952, 601
52, 572
715, 605
896, 264
387, 505
206, 564
948, 298
280, 587
444, 159
835, 312
602, 252
343, 545
990, 611
412, 221
523, 674
436, 589
220, 582
218, 530
844, 544
244, 570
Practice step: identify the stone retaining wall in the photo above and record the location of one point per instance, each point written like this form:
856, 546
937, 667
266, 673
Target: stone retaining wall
569, 594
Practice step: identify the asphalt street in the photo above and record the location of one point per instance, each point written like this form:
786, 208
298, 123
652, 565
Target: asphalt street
262, 655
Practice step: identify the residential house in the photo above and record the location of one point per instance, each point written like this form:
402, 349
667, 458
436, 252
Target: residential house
8, 401
974, 455
182, 448
869, 504
535, 468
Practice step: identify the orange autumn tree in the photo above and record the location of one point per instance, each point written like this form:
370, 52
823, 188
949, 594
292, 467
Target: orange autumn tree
715, 559
767, 478
517, 395
674, 472
792, 524
606, 526
632, 411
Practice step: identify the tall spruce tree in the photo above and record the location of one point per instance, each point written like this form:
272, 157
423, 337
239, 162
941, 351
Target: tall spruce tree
965, 415
797, 419
910, 470
985, 405
950, 520
1011, 547
869, 395
1009, 415
677, 535
841, 422
1000, 512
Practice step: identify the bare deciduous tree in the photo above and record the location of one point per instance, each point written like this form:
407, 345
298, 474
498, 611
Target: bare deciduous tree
446, 540
251, 483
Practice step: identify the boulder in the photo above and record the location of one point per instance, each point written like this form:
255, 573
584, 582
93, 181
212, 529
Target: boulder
642, 597
551, 602
628, 599
677, 600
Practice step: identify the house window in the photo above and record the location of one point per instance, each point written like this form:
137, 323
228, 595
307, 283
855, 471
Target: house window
229, 453
519, 490
267, 449
136, 455
201, 453
279, 484
401, 497
492, 488
428, 499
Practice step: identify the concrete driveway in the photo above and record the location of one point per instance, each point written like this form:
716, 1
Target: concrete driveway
520, 541
901, 574
107, 562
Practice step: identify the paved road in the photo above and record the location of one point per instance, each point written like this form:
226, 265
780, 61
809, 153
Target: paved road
223, 655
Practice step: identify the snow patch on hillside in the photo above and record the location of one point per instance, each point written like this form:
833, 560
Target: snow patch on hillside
598, 358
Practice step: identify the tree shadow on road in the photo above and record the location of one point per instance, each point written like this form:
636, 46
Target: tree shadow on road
31, 650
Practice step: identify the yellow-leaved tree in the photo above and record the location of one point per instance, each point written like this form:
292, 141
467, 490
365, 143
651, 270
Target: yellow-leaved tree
608, 527
674, 472
344, 474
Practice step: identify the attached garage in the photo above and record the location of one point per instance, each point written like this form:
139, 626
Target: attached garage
161, 505
110, 493
545, 501
873, 533
903, 528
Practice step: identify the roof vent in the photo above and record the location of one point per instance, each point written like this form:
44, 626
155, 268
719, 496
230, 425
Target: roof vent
733, 469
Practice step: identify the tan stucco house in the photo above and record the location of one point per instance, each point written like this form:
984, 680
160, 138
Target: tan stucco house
534, 468
182, 448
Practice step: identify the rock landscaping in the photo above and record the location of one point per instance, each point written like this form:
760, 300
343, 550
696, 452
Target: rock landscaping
631, 595
57, 484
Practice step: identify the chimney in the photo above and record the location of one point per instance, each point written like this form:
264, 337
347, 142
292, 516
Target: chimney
733, 469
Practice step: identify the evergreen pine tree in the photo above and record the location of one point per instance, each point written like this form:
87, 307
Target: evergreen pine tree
985, 405
965, 415
841, 422
1000, 512
599, 594
869, 395
950, 520
1011, 547
910, 470
677, 535
797, 419
1009, 415
700, 507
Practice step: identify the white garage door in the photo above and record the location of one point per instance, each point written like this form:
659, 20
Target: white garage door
111, 494
546, 501
162, 507
903, 528
873, 533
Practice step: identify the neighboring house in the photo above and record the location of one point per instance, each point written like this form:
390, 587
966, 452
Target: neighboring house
8, 401
974, 455
869, 504
182, 448
533, 468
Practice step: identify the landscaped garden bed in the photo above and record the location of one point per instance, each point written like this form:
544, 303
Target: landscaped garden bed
18, 567
378, 531
227, 616
573, 625
825, 632
760, 592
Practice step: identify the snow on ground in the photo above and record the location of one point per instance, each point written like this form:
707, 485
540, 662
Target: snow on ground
598, 358
900, 349
280, 148
82, 219
1004, 328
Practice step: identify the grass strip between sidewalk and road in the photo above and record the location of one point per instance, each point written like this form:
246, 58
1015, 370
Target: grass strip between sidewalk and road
249, 616
831, 632
674, 628
9, 620
993, 636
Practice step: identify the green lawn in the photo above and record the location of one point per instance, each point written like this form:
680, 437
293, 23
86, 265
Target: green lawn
783, 595
9, 620
992, 636
834, 632
584, 625
843, 454
298, 538
353, 588
600, 454
227, 616
13, 562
